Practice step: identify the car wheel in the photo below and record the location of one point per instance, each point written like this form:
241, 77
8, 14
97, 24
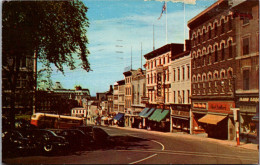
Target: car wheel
48, 147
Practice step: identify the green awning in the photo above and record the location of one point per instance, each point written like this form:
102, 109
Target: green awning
144, 111
148, 113
159, 115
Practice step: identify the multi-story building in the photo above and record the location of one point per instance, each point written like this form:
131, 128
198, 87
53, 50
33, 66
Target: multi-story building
246, 21
158, 83
24, 89
134, 90
213, 69
119, 97
180, 78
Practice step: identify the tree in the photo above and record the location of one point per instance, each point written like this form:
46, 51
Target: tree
52, 30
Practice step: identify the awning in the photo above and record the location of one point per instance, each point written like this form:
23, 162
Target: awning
159, 115
119, 116
104, 118
211, 119
144, 111
148, 113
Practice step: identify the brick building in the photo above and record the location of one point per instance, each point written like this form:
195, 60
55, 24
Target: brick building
246, 21
213, 51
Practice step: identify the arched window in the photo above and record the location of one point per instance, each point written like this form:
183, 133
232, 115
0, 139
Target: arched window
222, 51
216, 53
230, 74
216, 28
222, 26
209, 31
204, 34
230, 23
222, 74
230, 49
216, 75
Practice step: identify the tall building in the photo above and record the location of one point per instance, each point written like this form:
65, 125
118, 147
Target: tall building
24, 90
246, 21
213, 54
180, 78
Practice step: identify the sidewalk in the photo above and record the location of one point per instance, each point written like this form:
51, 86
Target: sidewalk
249, 146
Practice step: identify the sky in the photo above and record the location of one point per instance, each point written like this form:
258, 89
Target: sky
121, 28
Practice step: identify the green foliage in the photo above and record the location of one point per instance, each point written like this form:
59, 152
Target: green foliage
54, 29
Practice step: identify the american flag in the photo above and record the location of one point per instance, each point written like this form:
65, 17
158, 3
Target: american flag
163, 9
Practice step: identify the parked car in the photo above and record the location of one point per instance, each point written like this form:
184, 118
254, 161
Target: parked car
77, 139
13, 142
98, 134
47, 141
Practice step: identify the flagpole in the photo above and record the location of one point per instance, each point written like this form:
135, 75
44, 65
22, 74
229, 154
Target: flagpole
153, 37
166, 21
184, 25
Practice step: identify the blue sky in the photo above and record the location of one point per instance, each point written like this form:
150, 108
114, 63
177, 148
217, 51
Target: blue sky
116, 27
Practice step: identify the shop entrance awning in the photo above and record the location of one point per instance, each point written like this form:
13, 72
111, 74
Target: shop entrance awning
159, 115
148, 113
119, 116
212, 119
144, 111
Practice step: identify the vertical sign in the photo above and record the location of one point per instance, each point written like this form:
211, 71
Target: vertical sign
159, 84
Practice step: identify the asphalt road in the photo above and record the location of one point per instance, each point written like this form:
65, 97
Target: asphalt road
135, 147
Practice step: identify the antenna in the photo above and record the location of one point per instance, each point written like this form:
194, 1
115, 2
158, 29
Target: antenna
131, 57
153, 36
141, 55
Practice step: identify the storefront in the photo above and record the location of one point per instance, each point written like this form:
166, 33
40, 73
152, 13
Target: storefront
248, 106
147, 112
180, 118
159, 120
119, 119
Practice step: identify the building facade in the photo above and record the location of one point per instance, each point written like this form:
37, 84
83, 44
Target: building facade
246, 22
213, 71
180, 78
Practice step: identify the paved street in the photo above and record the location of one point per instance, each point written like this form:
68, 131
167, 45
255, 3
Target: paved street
133, 146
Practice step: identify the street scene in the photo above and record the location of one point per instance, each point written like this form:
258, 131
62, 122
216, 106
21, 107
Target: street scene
130, 82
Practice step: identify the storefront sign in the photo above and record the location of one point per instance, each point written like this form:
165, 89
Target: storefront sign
159, 84
200, 105
249, 99
181, 113
220, 105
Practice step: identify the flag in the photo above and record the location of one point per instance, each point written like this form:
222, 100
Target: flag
163, 9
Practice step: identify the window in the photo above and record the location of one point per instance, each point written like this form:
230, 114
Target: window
216, 53
148, 79
204, 34
246, 80
183, 96
198, 37
151, 64
155, 63
163, 60
245, 20
209, 62
216, 29
183, 73
167, 75
230, 49
222, 51
154, 77
151, 78
179, 74
230, 23
209, 32
174, 99
222, 26
23, 62
245, 46
204, 60
188, 72
188, 93
174, 74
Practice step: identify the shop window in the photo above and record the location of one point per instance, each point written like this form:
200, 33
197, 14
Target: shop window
246, 80
245, 46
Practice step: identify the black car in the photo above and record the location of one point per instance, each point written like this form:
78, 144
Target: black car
77, 139
13, 142
46, 140
98, 134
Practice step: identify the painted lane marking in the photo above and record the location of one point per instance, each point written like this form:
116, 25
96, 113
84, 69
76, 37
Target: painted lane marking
192, 153
143, 159
159, 143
